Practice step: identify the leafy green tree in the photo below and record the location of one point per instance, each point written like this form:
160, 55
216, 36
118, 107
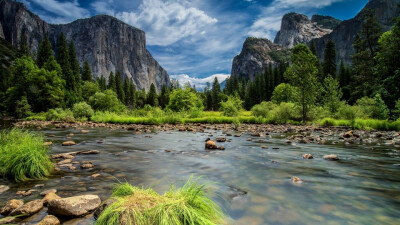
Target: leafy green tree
24, 46
23, 109
184, 100
331, 94
140, 98
216, 91
152, 96
232, 106
284, 93
132, 92
106, 101
82, 110
313, 48
119, 87
86, 72
373, 107
302, 74
90, 88
111, 82
365, 46
329, 65
45, 51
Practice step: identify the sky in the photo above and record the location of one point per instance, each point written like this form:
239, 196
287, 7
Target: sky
195, 40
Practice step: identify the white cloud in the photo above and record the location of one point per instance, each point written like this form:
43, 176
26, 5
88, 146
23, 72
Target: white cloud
199, 82
65, 11
103, 7
167, 22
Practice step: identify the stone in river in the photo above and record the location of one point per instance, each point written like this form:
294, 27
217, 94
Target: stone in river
87, 165
296, 180
264, 147
74, 206
95, 175
28, 209
10, 206
49, 220
4, 188
84, 131
68, 143
220, 139
49, 197
43, 193
221, 148
87, 152
47, 143
211, 145
307, 156
331, 157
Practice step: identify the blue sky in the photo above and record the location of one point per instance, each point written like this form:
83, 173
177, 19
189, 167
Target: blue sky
195, 40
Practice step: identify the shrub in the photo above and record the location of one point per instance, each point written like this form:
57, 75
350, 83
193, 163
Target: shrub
397, 109
373, 107
195, 112
284, 113
184, 100
82, 110
263, 109
186, 205
284, 93
348, 112
23, 108
89, 89
23, 156
232, 106
106, 101
59, 114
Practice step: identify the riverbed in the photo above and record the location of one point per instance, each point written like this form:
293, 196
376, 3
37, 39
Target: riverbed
250, 179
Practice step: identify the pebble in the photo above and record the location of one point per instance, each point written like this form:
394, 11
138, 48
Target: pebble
308, 156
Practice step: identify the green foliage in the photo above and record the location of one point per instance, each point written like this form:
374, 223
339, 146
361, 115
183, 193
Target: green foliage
23, 156
184, 100
302, 74
216, 90
263, 109
331, 94
59, 114
397, 108
186, 205
45, 51
329, 65
232, 106
152, 96
111, 82
24, 46
285, 112
284, 93
119, 88
373, 108
349, 112
106, 101
23, 108
90, 88
86, 72
82, 110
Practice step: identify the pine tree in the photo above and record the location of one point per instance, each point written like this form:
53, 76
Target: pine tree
127, 92
63, 60
329, 65
24, 46
152, 96
111, 82
132, 92
44, 52
75, 68
119, 87
86, 72
313, 48
216, 91
164, 97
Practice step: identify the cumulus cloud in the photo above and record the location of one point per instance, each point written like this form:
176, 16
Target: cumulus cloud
167, 22
64, 11
200, 83
103, 7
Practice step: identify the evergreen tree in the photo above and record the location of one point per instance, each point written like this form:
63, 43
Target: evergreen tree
164, 97
102, 83
313, 48
75, 68
24, 46
119, 87
329, 65
302, 74
242, 89
152, 96
111, 82
44, 52
63, 60
127, 92
86, 72
132, 92
216, 91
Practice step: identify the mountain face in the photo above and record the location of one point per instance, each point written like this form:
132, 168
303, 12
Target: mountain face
256, 54
106, 42
297, 28
327, 22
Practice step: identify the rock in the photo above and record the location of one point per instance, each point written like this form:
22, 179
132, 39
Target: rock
28, 209
87, 165
49, 220
95, 175
275, 148
211, 145
47, 143
220, 139
69, 166
307, 156
24, 193
256, 134
348, 134
49, 197
43, 193
68, 143
88, 152
221, 148
102, 207
39, 185
65, 161
331, 157
264, 147
63, 155
296, 180
249, 139
8, 219
237, 135
4, 188
10, 206
182, 129
74, 206
84, 131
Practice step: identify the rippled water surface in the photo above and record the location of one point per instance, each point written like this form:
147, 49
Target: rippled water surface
252, 184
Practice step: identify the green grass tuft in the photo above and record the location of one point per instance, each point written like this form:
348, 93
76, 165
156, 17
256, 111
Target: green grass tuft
23, 156
187, 205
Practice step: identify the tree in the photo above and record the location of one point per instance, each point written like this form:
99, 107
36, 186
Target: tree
127, 91
111, 82
365, 46
102, 83
24, 46
44, 52
132, 92
119, 87
163, 99
86, 72
313, 48
284, 93
302, 74
216, 90
329, 65
75, 69
106, 101
152, 96
232, 106
184, 100
90, 88
331, 94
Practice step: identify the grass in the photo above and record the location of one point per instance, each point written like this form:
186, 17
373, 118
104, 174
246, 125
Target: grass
187, 205
365, 124
23, 156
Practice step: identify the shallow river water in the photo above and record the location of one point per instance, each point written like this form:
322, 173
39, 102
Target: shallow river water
251, 184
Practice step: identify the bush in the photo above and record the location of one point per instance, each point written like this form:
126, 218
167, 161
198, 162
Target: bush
186, 205
184, 100
348, 112
82, 110
195, 112
106, 101
284, 93
232, 106
285, 112
89, 89
23, 156
23, 108
59, 114
373, 107
263, 109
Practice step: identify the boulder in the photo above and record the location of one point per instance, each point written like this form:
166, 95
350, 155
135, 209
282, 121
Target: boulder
331, 157
220, 139
49, 220
221, 148
65, 161
28, 209
4, 188
68, 143
211, 145
348, 134
49, 197
307, 156
10, 206
74, 206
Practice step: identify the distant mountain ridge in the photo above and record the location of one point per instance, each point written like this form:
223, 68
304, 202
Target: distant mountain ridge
106, 42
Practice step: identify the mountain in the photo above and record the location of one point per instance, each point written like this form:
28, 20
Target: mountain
106, 42
256, 54
327, 22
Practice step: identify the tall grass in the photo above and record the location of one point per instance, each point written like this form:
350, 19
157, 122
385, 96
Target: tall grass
187, 205
363, 124
23, 156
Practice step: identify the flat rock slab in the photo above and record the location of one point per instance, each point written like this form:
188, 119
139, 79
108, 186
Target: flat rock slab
74, 206
28, 209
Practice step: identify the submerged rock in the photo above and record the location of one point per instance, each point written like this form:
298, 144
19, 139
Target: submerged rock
74, 206
220, 139
308, 156
49, 220
211, 145
10, 206
47, 143
28, 209
43, 193
296, 180
68, 143
331, 157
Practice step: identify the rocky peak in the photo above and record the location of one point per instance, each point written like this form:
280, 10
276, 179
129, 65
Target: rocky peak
297, 28
327, 22
106, 42
256, 54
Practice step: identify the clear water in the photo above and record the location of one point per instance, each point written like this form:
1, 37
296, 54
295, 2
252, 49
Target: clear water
251, 184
